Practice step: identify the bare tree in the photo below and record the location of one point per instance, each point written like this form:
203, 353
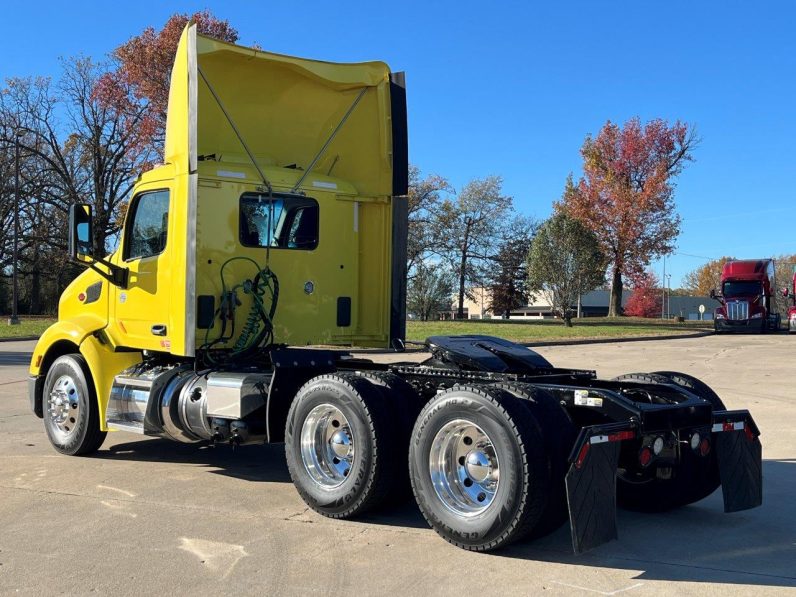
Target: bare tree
467, 231
430, 290
425, 197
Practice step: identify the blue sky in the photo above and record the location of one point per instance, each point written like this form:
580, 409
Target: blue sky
512, 88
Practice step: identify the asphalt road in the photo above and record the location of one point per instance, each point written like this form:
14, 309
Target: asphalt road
148, 516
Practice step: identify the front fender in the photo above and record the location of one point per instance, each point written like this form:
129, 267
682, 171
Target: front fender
77, 335
73, 330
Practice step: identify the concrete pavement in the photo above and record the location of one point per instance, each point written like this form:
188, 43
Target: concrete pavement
149, 516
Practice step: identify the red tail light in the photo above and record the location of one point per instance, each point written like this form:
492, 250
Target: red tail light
645, 457
704, 447
582, 454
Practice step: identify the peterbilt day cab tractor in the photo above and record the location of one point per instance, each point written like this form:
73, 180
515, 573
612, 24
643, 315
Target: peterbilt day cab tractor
278, 221
745, 297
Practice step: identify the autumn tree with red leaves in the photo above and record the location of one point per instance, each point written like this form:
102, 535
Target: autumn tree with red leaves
143, 69
626, 194
646, 299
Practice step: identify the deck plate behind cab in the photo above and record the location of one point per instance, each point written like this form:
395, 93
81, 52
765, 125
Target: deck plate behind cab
486, 353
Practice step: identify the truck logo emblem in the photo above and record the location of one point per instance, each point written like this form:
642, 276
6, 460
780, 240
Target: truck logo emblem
123, 297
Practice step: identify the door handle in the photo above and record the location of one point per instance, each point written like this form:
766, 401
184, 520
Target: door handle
159, 330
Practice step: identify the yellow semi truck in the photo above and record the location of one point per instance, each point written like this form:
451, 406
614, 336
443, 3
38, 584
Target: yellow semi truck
278, 221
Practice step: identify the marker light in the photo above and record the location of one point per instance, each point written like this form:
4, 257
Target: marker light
695, 441
645, 457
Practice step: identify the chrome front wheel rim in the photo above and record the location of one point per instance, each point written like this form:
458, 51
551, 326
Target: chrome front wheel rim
327, 446
464, 468
63, 406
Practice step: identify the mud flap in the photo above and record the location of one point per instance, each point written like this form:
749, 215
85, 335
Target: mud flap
740, 456
591, 485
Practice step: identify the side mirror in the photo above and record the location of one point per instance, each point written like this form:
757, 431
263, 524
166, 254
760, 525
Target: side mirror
712, 294
81, 232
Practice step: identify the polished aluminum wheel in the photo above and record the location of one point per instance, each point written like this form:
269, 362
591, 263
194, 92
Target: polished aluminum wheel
63, 406
327, 446
464, 468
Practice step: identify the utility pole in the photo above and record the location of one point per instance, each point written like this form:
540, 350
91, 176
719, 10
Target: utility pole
14, 319
669, 296
663, 288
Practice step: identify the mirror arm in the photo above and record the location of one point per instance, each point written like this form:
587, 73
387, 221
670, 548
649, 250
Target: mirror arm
118, 276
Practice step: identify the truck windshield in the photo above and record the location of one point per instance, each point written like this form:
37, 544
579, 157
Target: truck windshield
742, 288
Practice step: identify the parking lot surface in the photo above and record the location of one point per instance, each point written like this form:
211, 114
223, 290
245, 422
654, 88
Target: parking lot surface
146, 516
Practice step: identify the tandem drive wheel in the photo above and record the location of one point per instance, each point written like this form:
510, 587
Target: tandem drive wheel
340, 445
478, 467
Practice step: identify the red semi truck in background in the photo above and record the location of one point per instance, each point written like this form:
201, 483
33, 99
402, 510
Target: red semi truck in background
745, 297
792, 310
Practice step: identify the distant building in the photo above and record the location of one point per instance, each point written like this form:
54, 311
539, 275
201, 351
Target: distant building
592, 304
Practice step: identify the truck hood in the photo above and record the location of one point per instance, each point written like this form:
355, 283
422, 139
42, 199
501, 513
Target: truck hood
286, 110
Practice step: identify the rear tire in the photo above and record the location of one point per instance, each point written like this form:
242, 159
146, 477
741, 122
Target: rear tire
70, 409
696, 477
340, 446
559, 434
404, 405
478, 467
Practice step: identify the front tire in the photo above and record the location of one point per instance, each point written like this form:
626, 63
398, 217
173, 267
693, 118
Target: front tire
71, 412
478, 467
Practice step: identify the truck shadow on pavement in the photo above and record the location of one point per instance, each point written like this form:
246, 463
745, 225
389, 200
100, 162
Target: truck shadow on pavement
262, 463
698, 543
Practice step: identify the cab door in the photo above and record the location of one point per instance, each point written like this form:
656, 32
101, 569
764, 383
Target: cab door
141, 311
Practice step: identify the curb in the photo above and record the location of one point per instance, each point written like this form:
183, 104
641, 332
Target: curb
615, 340
20, 339
366, 351
528, 344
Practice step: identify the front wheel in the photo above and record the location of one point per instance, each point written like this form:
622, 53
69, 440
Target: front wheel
478, 467
71, 412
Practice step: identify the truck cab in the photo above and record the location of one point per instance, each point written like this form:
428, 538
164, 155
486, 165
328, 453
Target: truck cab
275, 163
746, 297
791, 292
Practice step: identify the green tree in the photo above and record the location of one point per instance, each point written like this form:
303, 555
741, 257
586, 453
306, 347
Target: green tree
430, 290
508, 287
565, 261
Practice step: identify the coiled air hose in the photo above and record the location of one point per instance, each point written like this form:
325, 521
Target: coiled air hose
258, 331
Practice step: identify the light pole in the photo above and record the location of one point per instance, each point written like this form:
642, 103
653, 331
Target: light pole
14, 319
669, 296
663, 289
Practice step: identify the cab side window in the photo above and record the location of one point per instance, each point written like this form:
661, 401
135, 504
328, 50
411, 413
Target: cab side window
147, 225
